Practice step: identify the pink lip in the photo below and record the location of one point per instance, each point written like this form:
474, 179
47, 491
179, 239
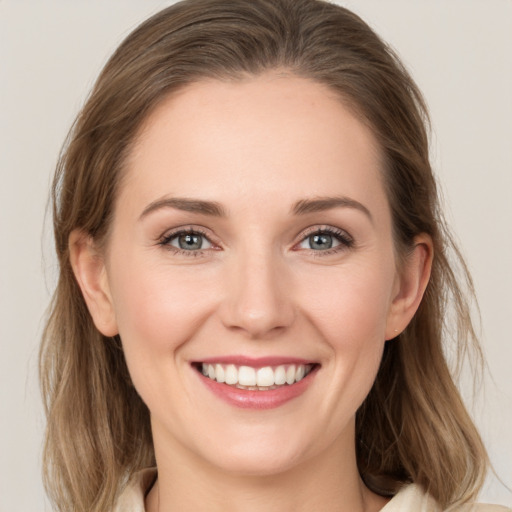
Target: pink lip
255, 362
247, 399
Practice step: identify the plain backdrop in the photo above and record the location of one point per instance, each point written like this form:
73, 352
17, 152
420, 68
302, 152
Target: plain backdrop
459, 52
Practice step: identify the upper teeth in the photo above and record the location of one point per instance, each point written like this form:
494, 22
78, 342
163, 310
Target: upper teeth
261, 377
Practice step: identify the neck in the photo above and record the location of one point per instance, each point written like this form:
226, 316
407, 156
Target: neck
328, 481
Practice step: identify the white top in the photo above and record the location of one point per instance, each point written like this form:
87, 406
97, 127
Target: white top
409, 499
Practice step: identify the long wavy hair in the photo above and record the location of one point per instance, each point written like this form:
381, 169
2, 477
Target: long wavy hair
413, 426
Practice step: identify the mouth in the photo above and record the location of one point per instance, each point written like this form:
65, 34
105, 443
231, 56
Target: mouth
266, 378
252, 384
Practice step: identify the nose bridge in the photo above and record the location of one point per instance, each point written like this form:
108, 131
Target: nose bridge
257, 301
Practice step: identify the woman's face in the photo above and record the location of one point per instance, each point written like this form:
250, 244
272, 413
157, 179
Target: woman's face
252, 238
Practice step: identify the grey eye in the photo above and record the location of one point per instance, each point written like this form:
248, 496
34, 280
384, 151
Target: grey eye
190, 242
324, 239
321, 241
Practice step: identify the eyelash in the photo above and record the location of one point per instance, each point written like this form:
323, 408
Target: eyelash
166, 239
344, 239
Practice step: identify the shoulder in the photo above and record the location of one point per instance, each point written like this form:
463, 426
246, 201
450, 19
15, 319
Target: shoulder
482, 508
412, 497
132, 497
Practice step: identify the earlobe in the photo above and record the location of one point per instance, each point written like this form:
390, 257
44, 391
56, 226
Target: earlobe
90, 272
411, 285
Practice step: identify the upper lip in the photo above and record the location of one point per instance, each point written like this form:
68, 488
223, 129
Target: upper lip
255, 362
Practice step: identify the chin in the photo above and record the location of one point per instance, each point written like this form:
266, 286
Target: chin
261, 453
258, 463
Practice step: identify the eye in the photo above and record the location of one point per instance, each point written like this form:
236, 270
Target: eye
320, 242
188, 241
326, 239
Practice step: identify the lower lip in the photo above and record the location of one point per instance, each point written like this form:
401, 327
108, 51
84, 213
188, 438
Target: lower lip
247, 399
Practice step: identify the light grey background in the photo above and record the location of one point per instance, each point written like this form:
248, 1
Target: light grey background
459, 51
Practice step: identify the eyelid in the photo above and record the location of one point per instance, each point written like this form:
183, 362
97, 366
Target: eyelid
170, 234
345, 239
176, 238
189, 228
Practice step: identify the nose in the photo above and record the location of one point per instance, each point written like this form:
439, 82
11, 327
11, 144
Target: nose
258, 300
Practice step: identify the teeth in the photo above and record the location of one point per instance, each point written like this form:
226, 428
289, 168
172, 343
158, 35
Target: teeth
219, 373
231, 374
280, 376
265, 377
247, 376
290, 374
261, 379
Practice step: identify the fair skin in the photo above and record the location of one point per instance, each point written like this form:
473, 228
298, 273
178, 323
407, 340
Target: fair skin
287, 253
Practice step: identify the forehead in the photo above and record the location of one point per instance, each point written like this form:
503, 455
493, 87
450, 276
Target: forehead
263, 139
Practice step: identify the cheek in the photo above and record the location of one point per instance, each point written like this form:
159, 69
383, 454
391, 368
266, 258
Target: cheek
351, 305
350, 314
157, 308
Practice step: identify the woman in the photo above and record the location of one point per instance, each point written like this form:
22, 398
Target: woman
254, 277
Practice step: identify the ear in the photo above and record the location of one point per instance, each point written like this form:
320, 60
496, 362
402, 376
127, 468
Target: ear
410, 285
90, 272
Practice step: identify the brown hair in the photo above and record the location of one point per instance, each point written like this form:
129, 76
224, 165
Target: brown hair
413, 426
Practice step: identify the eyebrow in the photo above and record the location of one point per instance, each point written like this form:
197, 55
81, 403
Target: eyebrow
321, 204
187, 205
212, 208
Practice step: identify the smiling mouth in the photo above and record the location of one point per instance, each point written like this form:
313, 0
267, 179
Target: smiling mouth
255, 379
